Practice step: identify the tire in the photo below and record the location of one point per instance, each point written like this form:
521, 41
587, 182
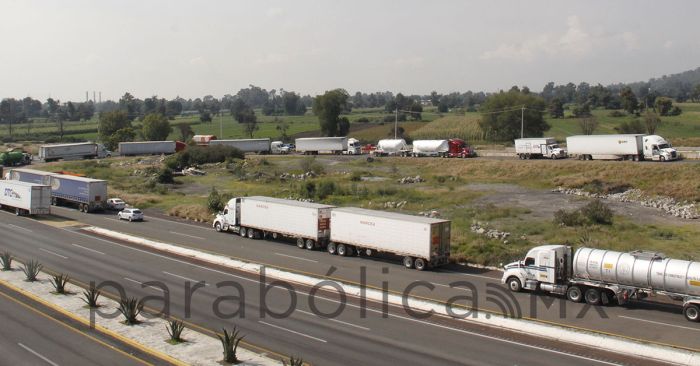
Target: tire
350, 250
331, 248
275, 236
692, 312
593, 296
251, 234
554, 157
17, 212
310, 244
131, 219
300, 243
574, 294
607, 298
368, 252
662, 159
408, 262
420, 264
243, 232
217, 227
514, 284
342, 250
54, 201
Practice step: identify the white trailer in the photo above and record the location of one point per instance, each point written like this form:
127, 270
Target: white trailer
260, 146
422, 242
86, 194
261, 217
430, 148
147, 148
601, 277
620, 147
25, 198
76, 151
389, 147
538, 147
327, 145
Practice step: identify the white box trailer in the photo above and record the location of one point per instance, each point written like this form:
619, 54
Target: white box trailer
327, 145
25, 198
430, 148
259, 217
538, 147
76, 151
621, 147
260, 146
422, 242
147, 148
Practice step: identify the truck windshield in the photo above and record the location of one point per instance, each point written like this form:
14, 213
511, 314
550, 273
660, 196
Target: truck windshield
554, 146
664, 146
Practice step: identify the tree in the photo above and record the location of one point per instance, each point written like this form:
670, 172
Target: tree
629, 100
588, 124
173, 108
695, 95
501, 116
632, 126
155, 127
343, 126
185, 131
111, 122
556, 108
581, 110
130, 105
282, 127
416, 110
122, 135
293, 105
651, 122
328, 108
663, 105
435, 98
205, 116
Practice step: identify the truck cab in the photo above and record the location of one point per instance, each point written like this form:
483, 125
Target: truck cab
657, 148
354, 147
278, 147
458, 148
553, 151
547, 267
230, 218
102, 152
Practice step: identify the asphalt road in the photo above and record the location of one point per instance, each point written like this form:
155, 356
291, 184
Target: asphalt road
659, 320
30, 335
369, 337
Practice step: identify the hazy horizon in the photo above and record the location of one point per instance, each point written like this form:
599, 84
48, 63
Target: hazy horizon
175, 48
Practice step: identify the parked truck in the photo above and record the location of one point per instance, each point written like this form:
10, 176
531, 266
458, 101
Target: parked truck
76, 151
354, 147
452, 148
203, 140
539, 147
327, 145
267, 217
422, 242
14, 158
259, 146
620, 147
150, 147
602, 277
25, 198
86, 194
279, 147
391, 147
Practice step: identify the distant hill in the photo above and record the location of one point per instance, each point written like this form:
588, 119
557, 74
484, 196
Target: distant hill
678, 86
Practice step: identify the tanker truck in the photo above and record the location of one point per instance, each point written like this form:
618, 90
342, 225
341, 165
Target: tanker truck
602, 277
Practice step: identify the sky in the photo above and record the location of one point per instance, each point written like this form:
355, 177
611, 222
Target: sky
194, 48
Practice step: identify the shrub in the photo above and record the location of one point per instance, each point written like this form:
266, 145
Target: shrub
569, 218
387, 191
175, 328
31, 270
230, 342
59, 282
597, 213
293, 361
308, 190
356, 176
165, 176
363, 119
90, 297
130, 308
616, 114
309, 164
215, 202
6, 259
195, 155
326, 188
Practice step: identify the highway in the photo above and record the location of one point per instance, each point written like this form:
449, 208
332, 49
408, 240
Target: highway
31, 334
354, 336
656, 321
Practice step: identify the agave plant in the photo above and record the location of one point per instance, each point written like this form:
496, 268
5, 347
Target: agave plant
6, 259
31, 269
130, 308
230, 341
175, 328
90, 297
59, 282
293, 361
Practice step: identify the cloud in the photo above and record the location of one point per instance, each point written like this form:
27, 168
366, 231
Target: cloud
274, 12
575, 40
630, 40
412, 61
273, 59
525, 51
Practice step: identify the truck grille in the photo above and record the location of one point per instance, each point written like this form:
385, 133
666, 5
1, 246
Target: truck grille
673, 154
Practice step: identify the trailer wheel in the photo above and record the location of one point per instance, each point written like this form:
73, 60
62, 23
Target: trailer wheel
275, 236
692, 312
514, 284
408, 262
242, 231
54, 201
217, 226
368, 252
251, 234
574, 294
342, 250
349, 250
300, 243
592, 296
310, 244
331, 248
419, 264
17, 212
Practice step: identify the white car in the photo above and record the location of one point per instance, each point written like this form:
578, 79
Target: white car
131, 214
116, 204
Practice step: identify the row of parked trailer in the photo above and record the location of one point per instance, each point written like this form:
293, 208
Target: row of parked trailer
634, 147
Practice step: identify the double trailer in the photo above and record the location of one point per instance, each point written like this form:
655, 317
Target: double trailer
25, 198
421, 242
86, 194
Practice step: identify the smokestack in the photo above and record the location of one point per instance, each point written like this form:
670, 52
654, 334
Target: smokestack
100, 97
86, 97
93, 97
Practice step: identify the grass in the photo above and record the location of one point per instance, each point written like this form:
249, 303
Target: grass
465, 127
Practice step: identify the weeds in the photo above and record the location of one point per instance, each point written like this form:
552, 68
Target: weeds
6, 259
59, 282
31, 270
230, 341
594, 213
175, 328
293, 361
90, 297
130, 308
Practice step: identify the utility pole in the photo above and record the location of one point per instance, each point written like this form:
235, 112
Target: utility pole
522, 121
396, 121
221, 127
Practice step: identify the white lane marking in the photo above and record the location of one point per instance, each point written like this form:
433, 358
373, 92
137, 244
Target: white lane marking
177, 222
334, 320
144, 286
299, 258
473, 275
293, 331
189, 236
184, 278
37, 354
660, 323
54, 253
88, 249
450, 287
19, 227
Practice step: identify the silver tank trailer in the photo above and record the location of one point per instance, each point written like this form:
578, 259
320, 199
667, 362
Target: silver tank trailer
638, 269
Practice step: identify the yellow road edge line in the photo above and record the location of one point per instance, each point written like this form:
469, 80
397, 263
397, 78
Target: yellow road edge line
29, 307
99, 328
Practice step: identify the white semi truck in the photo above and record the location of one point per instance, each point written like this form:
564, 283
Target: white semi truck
86, 194
259, 146
260, 217
539, 147
323, 145
600, 277
422, 242
150, 147
25, 198
76, 151
620, 147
